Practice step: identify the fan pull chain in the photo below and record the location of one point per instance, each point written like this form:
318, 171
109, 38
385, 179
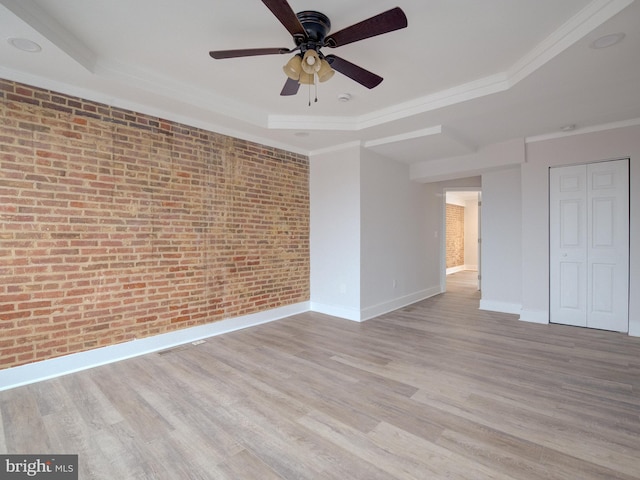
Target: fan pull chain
315, 87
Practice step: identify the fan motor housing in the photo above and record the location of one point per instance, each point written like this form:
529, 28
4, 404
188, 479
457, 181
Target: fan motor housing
316, 24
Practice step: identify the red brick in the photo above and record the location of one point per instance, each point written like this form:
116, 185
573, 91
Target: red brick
142, 234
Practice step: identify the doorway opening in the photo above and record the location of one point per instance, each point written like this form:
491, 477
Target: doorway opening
461, 242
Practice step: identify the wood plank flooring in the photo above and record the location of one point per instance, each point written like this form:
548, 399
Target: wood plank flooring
437, 390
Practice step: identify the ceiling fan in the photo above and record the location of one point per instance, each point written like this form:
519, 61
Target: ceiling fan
310, 32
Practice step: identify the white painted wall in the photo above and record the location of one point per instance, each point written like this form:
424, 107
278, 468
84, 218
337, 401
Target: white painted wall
570, 150
374, 235
334, 189
347, 228
501, 248
491, 157
398, 266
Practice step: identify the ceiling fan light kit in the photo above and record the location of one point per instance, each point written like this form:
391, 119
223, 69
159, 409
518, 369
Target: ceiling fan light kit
293, 67
310, 62
325, 72
306, 79
310, 32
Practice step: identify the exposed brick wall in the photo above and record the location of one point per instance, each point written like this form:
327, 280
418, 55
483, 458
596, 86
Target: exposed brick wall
116, 225
455, 235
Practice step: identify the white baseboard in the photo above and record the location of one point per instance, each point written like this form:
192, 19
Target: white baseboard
46, 369
55, 367
462, 268
373, 311
397, 303
534, 316
502, 307
352, 314
457, 269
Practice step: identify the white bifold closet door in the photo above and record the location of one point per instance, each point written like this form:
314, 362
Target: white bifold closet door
589, 245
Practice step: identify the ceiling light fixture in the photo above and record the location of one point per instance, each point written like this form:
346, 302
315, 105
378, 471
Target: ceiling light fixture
311, 63
607, 41
293, 67
306, 67
309, 30
24, 44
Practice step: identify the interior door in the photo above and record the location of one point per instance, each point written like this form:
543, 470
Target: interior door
608, 248
589, 245
568, 248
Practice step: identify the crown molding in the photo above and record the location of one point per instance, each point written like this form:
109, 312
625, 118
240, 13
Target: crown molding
580, 131
577, 27
593, 15
208, 110
150, 81
424, 132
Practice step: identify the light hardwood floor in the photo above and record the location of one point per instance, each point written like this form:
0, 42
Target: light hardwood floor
435, 390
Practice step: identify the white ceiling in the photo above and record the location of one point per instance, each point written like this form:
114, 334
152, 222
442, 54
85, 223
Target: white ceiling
464, 74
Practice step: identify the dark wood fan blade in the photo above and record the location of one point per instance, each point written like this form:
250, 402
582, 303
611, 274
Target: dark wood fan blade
247, 52
354, 72
283, 12
385, 22
290, 87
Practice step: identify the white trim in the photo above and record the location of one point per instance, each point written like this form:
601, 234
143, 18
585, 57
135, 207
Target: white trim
457, 269
534, 316
580, 131
335, 148
397, 303
596, 13
56, 367
425, 132
147, 109
502, 307
308, 122
345, 313
462, 268
373, 311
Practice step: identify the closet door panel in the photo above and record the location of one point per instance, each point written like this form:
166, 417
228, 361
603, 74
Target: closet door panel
589, 245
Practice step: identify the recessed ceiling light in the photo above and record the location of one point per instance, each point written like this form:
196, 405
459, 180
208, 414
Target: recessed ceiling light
607, 41
344, 97
25, 45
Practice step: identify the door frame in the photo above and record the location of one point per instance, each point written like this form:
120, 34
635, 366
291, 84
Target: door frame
443, 237
628, 257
